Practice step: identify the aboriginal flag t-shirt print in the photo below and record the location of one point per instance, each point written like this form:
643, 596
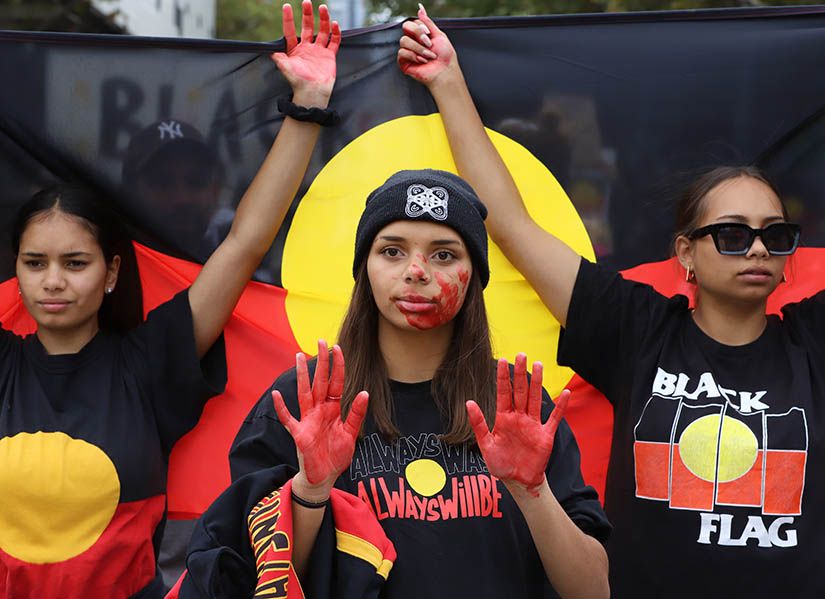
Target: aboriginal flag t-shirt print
712, 460
84, 445
712, 446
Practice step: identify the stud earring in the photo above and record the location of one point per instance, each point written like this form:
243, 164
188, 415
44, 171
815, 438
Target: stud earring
109, 290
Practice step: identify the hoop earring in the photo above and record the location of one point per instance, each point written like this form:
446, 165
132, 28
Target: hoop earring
689, 275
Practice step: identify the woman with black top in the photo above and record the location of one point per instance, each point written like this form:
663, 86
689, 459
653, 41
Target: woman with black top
472, 513
717, 408
92, 403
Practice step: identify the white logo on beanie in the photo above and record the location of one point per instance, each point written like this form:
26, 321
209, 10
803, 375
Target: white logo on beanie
422, 199
172, 129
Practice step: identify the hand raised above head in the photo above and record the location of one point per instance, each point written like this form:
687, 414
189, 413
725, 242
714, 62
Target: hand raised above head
425, 52
519, 446
324, 440
309, 64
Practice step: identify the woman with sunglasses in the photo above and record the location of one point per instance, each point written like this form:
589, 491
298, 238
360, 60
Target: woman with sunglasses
716, 407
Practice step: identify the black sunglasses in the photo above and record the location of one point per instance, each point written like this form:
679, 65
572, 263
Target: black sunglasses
735, 239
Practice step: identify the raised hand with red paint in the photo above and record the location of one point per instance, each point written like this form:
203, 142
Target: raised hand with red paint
309, 64
519, 446
325, 441
425, 52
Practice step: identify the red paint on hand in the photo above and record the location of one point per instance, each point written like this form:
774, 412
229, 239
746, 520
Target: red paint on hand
519, 446
324, 440
309, 65
421, 41
441, 308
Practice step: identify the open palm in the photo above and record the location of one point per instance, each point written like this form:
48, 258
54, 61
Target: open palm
309, 64
324, 440
519, 446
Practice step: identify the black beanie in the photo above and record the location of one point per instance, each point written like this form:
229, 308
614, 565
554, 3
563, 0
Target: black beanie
436, 196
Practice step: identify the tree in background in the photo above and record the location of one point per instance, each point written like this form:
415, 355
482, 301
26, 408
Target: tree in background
251, 20
482, 8
255, 20
259, 20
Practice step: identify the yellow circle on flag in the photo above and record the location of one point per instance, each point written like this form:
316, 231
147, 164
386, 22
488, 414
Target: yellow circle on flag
319, 248
426, 477
737, 448
58, 496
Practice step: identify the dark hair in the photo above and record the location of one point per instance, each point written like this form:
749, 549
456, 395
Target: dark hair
467, 371
121, 310
690, 208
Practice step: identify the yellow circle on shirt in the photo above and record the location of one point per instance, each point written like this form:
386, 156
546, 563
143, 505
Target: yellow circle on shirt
425, 476
319, 248
738, 448
58, 495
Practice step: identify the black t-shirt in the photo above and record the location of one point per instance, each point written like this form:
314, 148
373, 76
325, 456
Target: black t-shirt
456, 529
84, 444
709, 487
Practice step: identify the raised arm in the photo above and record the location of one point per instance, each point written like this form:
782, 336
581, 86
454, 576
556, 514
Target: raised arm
516, 452
309, 66
549, 265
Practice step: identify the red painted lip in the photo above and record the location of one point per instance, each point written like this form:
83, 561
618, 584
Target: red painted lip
414, 297
415, 303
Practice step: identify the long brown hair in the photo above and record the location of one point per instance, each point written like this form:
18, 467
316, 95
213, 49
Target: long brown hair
467, 372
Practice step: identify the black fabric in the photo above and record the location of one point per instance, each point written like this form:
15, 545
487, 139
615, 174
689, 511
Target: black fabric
173, 544
445, 554
129, 398
622, 108
436, 196
696, 512
221, 562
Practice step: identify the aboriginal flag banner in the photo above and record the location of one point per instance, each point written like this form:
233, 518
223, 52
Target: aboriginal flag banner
600, 118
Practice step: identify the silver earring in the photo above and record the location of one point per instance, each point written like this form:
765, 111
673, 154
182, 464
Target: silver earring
109, 290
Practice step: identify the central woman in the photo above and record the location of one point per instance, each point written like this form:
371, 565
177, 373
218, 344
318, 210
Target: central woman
471, 512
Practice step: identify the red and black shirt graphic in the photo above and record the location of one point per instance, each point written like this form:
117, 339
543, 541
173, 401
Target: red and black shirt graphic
701, 454
84, 445
457, 531
434, 481
242, 546
709, 468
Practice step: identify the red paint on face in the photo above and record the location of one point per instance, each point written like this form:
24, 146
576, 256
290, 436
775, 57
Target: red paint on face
429, 313
417, 272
